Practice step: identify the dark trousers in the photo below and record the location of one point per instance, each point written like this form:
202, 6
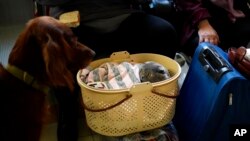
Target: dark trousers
68, 111
139, 33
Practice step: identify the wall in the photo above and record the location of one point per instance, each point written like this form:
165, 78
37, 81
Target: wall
15, 11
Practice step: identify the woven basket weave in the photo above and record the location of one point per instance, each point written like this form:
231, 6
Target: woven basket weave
143, 107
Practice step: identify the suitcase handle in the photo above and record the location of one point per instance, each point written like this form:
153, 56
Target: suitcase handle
212, 63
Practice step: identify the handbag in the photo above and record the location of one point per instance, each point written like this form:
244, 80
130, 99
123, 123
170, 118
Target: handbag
239, 58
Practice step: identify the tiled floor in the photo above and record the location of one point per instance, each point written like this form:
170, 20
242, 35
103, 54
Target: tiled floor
8, 35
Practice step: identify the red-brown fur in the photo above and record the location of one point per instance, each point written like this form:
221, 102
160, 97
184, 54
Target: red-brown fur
49, 51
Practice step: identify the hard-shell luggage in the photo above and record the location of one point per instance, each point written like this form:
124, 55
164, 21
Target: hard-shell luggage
213, 99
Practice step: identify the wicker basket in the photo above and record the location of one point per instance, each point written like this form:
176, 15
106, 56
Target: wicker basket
143, 107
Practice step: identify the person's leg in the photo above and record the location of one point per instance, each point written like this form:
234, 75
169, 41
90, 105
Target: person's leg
191, 45
101, 43
147, 33
68, 114
138, 33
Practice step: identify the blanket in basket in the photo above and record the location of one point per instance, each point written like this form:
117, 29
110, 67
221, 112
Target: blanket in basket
112, 75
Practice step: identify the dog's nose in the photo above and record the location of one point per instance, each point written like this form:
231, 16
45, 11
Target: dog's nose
92, 52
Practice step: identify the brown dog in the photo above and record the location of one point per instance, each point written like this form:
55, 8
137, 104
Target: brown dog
45, 56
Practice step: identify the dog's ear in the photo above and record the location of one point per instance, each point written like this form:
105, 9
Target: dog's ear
56, 67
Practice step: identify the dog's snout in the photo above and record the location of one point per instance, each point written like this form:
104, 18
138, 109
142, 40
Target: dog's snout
92, 52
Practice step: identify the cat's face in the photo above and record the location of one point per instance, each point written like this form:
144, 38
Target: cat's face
153, 72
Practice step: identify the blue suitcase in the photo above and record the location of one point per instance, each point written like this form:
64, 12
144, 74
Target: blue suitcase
214, 98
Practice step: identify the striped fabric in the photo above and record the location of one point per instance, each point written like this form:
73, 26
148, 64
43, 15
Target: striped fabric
112, 75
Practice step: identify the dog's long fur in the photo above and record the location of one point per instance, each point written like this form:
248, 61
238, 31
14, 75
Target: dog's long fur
49, 51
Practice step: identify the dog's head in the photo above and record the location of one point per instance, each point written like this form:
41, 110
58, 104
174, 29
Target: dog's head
48, 50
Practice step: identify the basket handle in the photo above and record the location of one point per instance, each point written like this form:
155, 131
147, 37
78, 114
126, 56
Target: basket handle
128, 96
154, 91
120, 55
